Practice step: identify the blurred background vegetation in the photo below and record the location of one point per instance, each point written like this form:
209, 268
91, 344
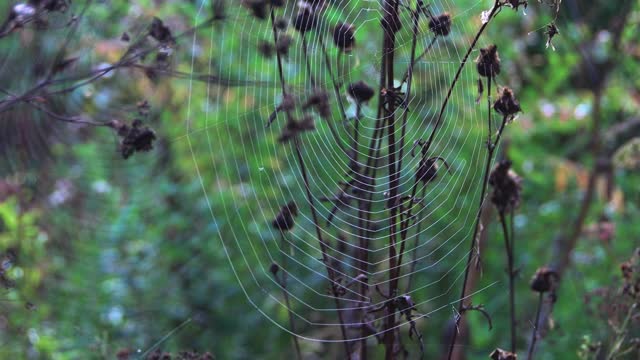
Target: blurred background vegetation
102, 254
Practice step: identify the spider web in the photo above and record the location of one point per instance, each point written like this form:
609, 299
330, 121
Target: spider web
270, 175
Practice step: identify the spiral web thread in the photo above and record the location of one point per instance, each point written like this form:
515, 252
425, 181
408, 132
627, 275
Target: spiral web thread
447, 211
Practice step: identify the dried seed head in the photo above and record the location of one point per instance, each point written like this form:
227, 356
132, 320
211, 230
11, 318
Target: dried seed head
274, 268
515, 4
544, 280
282, 24
285, 220
258, 8
160, 31
266, 49
343, 36
507, 104
499, 354
488, 63
305, 20
427, 170
319, 100
440, 25
135, 138
283, 44
506, 185
360, 91
296, 127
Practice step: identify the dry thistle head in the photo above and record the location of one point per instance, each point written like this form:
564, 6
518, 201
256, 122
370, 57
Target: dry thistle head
544, 280
135, 138
515, 4
344, 37
499, 354
360, 92
506, 185
258, 8
488, 62
296, 127
285, 220
440, 25
283, 44
319, 100
507, 104
305, 20
160, 31
265, 48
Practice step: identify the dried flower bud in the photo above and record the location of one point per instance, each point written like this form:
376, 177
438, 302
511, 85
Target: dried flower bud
258, 8
488, 63
266, 49
319, 100
506, 185
544, 280
515, 4
285, 221
282, 24
305, 20
360, 91
283, 44
274, 268
507, 104
134, 138
296, 127
160, 31
440, 25
499, 354
344, 37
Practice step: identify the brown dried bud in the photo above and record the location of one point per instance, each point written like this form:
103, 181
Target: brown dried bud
135, 138
258, 8
266, 49
488, 63
319, 100
344, 37
285, 221
507, 104
506, 185
283, 44
360, 91
160, 31
274, 268
499, 354
440, 25
305, 20
544, 280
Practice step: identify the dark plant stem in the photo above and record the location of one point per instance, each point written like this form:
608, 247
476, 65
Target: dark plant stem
323, 245
414, 254
494, 10
409, 78
314, 215
491, 146
418, 58
285, 293
336, 89
391, 9
508, 243
534, 332
306, 60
